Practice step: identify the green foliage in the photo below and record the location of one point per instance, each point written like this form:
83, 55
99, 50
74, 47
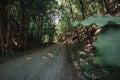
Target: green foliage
101, 20
107, 46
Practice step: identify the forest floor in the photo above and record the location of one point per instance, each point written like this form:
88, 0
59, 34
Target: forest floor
44, 64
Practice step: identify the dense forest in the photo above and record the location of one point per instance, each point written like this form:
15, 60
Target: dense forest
26, 24
30, 24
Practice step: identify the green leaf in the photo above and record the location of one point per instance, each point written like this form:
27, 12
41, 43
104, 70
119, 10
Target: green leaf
107, 46
101, 20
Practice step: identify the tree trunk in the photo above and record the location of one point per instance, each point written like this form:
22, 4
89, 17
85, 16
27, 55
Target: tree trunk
82, 9
38, 24
71, 10
8, 28
3, 22
27, 25
41, 28
26, 36
1, 38
21, 25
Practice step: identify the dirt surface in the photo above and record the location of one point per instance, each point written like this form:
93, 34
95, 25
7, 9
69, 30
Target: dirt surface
46, 64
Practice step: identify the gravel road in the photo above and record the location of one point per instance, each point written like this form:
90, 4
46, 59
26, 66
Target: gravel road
46, 64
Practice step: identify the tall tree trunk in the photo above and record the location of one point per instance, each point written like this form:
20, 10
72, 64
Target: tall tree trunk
71, 10
8, 27
82, 9
26, 36
41, 28
3, 17
27, 25
1, 38
38, 24
21, 25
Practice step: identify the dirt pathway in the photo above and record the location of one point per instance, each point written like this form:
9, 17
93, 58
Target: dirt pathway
46, 64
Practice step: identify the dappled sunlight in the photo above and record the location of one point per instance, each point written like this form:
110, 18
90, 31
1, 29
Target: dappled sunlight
50, 55
43, 57
28, 58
